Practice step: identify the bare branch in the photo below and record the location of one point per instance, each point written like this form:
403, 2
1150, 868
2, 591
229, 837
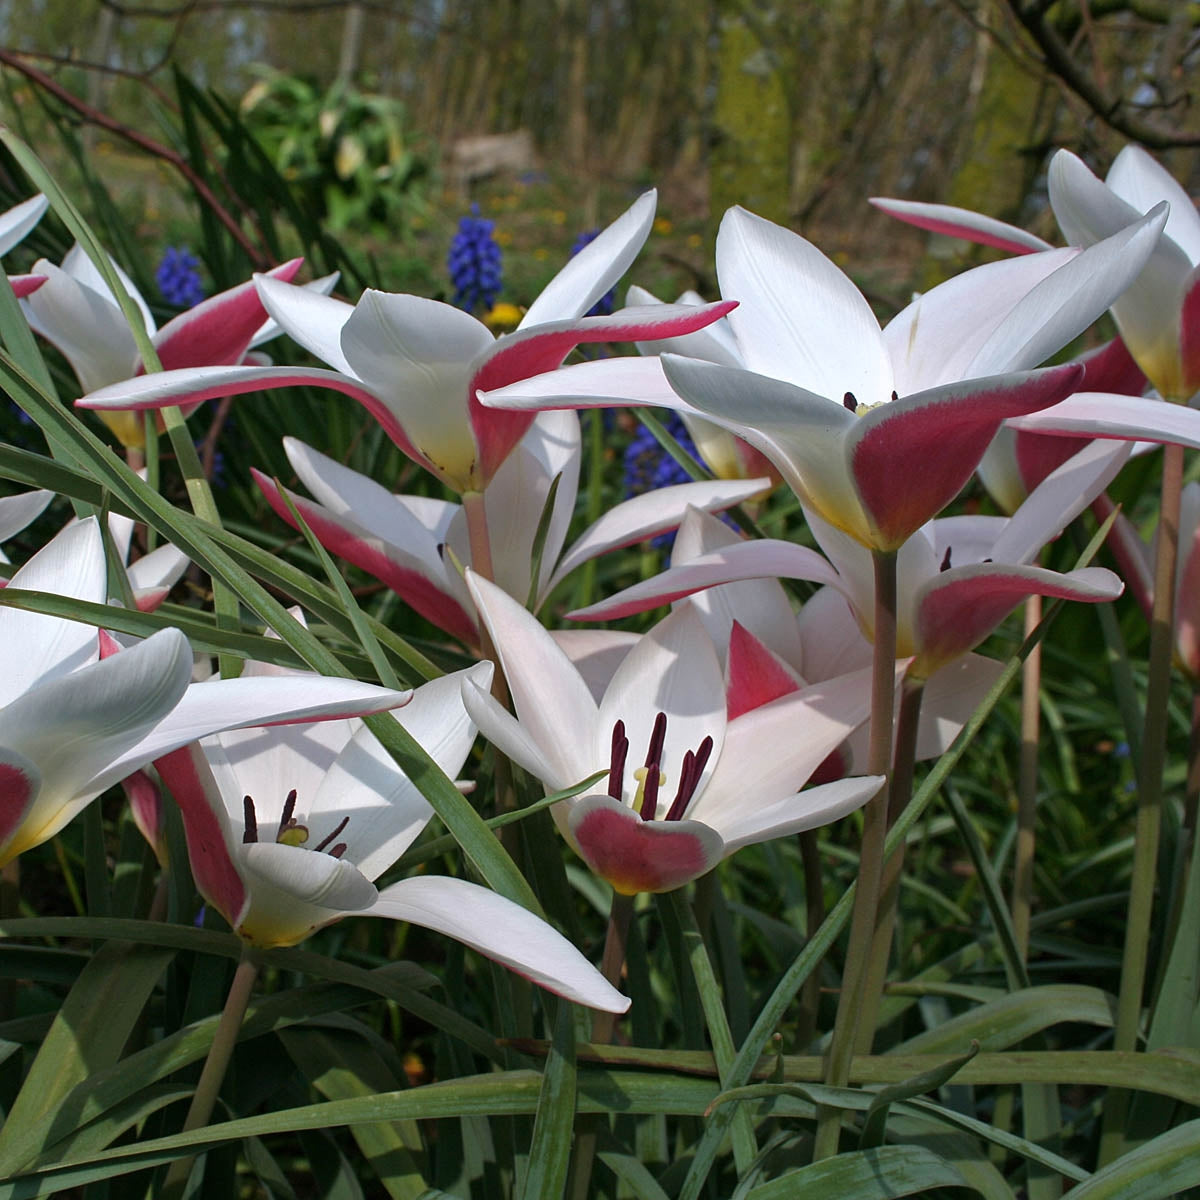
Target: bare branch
1115, 112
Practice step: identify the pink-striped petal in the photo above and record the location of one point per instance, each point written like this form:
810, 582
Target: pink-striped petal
910, 458
1104, 415
961, 223
641, 856
962, 606
217, 331
191, 385
762, 558
536, 349
209, 839
809, 809
403, 572
1189, 335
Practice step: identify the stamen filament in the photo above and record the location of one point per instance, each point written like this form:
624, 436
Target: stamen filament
321, 846
251, 834
289, 808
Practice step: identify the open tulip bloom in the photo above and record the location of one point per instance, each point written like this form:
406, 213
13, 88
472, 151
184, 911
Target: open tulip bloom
72, 723
876, 431
287, 827
1159, 314
687, 785
403, 540
75, 311
958, 577
417, 364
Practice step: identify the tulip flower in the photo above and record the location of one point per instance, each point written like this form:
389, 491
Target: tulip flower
287, 827
875, 431
72, 723
687, 784
1158, 315
417, 364
403, 540
76, 312
958, 577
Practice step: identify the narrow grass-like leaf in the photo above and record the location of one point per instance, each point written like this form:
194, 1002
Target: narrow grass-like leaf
340, 1066
1011, 1019
880, 1174
550, 1150
875, 1122
87, 1036
1160, 1169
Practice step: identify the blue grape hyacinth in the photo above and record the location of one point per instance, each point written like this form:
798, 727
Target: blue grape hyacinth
474, 263
178, 277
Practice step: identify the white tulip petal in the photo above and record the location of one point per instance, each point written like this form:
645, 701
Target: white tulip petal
799, 319
952, 694
809, 809
1058, 500
961, 222
18, 511
36, 647
596, 268
673, 669
596, 654
18, 221
651, 513
772, 750
501, 930
509, 736
548, 693
88, 329
320, 322
231, 703
1066, 302
74, 726
1143, 182
933, 341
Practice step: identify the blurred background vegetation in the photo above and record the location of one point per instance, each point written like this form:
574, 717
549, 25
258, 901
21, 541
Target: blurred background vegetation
374, 111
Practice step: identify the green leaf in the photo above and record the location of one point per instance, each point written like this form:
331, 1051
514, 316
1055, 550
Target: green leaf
1011, 1019
875, 1122
1160, 1169
550, 1150
866, 1175
340, 1066
87, 1036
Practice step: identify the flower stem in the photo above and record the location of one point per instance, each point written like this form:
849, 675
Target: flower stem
899, 794
870, 862
1150, 786
477, 535
1027, 783
212, 1076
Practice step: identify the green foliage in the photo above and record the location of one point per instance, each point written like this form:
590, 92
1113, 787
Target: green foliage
347, 152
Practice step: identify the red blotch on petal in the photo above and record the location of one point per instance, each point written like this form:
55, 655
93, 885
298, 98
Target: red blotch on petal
755, 676
415, 589
16, 791
912, 459
643, 856
1189, 335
